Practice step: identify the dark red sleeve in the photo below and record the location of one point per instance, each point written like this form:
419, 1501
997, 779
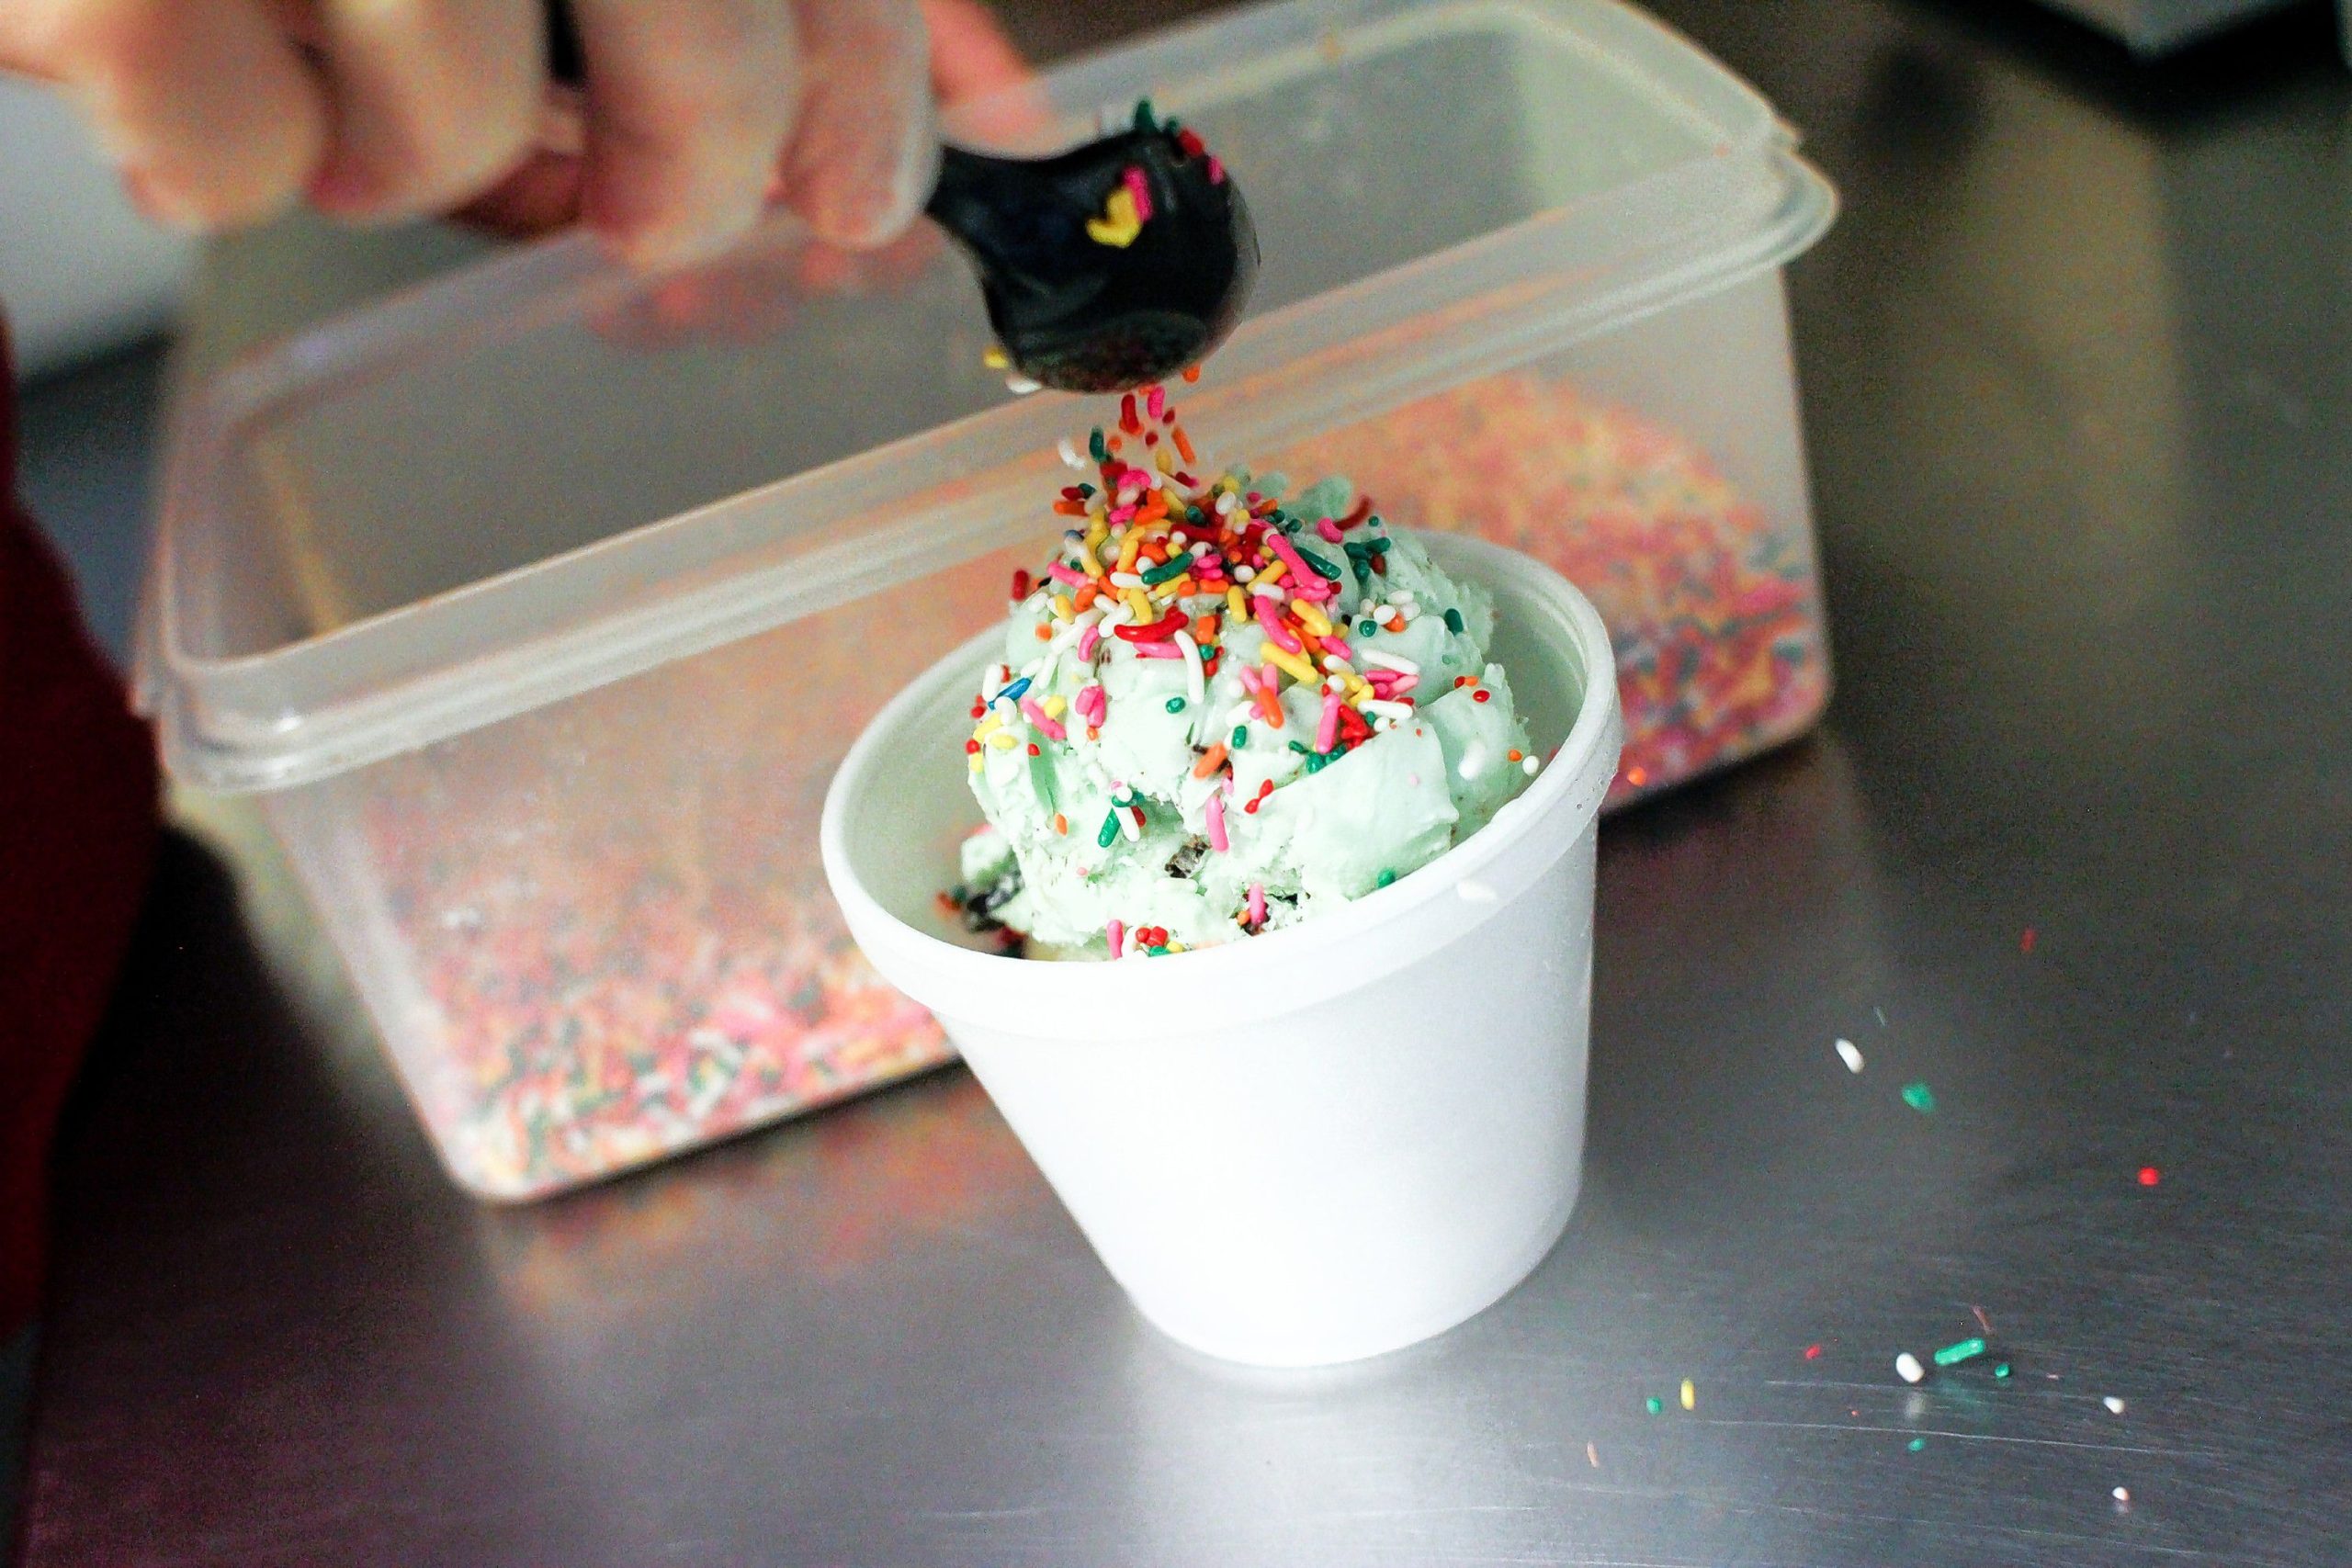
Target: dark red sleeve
77, 828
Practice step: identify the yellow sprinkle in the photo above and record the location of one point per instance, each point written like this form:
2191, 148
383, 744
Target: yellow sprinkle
975, 760
994, 721
1130, 548
1690, 1395
1271, 575
1140, 606
1162, 461
993, 357
1002, 740
1177, 587
1063, 609
1289, 664
1316, 621
1236, 608
1118, 226
1054, 707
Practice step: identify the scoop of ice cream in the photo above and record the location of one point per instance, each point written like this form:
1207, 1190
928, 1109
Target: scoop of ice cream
1220, 712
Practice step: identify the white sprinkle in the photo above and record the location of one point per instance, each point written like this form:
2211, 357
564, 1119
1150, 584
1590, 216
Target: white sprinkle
1195, 685
1907, 1368
1852, 1054
1402, 597
1470, 890
1390, 661
2114, 1405
1127, 580
1528, 765
1387, 710
1069, 456
1244, 574
2121, 1493
1474, 760
1021, 386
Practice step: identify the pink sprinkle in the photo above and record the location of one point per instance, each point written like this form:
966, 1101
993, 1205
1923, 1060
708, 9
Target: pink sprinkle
1218, 839
1155, 401
1123, 513
1404, 683
1050, 729
1158, 650
1338, 646
1062, 571
1299, 576
1089, 641
1256, 903
1275, 629
1092, 701
1142, 193
1216, 169
1117, 932
1327, 729
1328, 529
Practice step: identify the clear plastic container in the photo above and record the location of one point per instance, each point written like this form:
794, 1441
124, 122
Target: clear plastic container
540, 604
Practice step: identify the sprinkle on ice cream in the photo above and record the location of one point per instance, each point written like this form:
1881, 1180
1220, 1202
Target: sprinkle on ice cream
1220, 710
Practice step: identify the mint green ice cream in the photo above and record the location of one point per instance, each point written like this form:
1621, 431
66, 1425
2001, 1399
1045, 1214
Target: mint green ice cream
1138, 797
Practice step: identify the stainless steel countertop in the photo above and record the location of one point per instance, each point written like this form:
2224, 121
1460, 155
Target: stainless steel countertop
2078, 372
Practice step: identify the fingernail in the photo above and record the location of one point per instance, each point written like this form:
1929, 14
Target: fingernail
159, 204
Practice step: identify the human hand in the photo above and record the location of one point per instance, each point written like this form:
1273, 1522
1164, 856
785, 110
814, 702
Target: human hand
693, 116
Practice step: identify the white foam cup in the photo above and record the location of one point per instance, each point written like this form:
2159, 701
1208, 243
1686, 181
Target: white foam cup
1316, 1144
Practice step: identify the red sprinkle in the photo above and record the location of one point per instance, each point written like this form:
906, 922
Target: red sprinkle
1021, 584
2025, 941
1161, 630
2150, 1176
1479, 695
972, 748
1032, 747
1813, 1352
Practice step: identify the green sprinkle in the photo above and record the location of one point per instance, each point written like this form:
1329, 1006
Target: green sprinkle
1110, 830
1175, 704
1094, 445
1175, 566
1155, 952
1919, 1098
1145, 119
1367, 628
1240, 735
2001, 1370
1318, 760
1453, 621
1656, 1406
1086, 491
1966, 1350
1918, 1443
1299, 747
1322, 568
1384, 879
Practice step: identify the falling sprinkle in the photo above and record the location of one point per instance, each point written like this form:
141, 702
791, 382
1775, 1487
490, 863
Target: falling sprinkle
1022, 386
1592, 1456
1965, 1350
1690, 1395
1852, 1054
1919, 1098
1982, 1321
2114, 1405
1881, 1014
1907, 1368
2121, 1493
1813, 1352
2001, 1370
1654, 1404
2150, 1176
993, 357
2025, 940
1918, 1443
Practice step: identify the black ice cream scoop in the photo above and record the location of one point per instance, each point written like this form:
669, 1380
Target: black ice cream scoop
1113, 264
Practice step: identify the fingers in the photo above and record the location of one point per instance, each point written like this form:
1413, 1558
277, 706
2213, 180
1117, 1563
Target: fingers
688, 102
970, 56
433, 100
863, 151
210, 109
